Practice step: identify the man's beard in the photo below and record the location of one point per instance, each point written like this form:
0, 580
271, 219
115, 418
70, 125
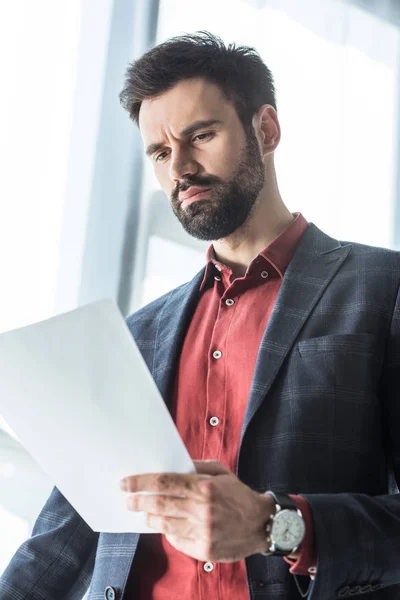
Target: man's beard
229, 204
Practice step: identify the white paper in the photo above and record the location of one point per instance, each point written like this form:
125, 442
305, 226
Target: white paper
77, 393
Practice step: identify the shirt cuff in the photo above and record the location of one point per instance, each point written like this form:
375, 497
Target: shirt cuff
306, 563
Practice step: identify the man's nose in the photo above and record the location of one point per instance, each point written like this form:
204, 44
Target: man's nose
181, 165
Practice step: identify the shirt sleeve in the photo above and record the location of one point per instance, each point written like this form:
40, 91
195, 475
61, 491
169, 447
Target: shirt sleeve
306, 563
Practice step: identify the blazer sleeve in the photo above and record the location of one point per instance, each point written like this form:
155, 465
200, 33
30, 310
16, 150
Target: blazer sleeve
357, 535
57, 560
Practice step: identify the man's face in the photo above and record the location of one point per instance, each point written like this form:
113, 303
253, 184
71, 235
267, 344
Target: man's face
210, 169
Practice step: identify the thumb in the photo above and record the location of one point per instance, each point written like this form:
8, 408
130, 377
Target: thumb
210, 467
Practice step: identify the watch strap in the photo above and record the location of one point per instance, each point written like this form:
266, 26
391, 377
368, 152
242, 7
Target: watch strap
283, 500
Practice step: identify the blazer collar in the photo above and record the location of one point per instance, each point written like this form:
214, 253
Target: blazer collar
315, 263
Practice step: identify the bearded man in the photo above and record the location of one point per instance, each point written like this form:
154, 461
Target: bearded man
279, 363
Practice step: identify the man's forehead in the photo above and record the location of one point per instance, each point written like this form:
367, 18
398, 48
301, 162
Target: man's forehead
189, 101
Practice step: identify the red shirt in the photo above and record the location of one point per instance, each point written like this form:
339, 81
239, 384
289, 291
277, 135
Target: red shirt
212, 386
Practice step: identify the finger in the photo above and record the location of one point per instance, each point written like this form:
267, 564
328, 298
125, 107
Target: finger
168, 506
210, 467
171, 483
171, 525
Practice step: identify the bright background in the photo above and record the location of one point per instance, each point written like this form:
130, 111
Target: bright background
81, 214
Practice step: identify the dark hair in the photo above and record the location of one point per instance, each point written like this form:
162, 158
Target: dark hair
237, 70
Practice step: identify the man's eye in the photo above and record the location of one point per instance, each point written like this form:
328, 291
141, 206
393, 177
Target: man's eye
202, 136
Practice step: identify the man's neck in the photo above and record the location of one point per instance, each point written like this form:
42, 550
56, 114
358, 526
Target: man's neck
238, 250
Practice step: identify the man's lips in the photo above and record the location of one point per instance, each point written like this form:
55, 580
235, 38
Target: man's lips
191, 192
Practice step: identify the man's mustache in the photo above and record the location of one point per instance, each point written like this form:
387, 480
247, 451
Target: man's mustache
193, 181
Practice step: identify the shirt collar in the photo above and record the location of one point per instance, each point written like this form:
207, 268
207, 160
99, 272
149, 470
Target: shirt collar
278, 254
281, 250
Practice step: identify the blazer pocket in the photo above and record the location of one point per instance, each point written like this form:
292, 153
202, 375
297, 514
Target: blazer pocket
339, 375
341, 366
346, 343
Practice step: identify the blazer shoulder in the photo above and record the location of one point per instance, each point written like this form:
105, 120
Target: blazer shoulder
375, 254
151, 311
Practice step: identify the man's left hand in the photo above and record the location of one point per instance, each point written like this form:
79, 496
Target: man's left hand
209, 515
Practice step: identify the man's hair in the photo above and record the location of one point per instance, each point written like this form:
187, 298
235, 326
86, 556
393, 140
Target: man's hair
238, 71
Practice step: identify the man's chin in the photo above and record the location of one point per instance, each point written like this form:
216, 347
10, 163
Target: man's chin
204, 233
199, 220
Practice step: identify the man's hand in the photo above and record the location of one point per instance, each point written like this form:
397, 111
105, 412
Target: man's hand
217, 518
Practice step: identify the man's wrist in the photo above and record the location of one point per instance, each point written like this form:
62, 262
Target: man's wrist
267, 508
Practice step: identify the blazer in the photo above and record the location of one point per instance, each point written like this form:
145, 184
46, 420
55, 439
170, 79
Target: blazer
322, 420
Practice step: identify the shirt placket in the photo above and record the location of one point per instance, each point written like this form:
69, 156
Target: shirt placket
214, 426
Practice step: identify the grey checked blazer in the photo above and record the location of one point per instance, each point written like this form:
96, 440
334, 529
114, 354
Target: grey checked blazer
322, 420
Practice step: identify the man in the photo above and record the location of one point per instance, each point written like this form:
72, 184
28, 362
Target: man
279, 363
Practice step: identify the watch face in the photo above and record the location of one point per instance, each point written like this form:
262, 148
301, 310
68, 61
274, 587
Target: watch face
288, 529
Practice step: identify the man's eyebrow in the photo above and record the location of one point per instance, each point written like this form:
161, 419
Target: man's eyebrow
199, 125
150, 150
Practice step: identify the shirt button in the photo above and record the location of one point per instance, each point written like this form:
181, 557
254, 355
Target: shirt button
208, 566
264, 274
229, 302
218, 268
217, 278
214, 421
217, 354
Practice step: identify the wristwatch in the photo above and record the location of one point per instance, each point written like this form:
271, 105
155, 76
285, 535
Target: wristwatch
286, 528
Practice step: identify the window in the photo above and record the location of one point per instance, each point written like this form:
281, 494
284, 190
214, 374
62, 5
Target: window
336, 71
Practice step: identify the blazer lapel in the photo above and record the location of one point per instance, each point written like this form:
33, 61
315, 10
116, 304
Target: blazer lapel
171, 329
317, 259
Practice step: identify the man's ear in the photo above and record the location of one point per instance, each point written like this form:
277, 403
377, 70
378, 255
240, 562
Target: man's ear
267, 128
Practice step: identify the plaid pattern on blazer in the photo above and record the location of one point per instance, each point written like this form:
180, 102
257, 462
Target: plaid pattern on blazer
322, 420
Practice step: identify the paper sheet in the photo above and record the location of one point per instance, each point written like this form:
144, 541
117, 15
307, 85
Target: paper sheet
77, 393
